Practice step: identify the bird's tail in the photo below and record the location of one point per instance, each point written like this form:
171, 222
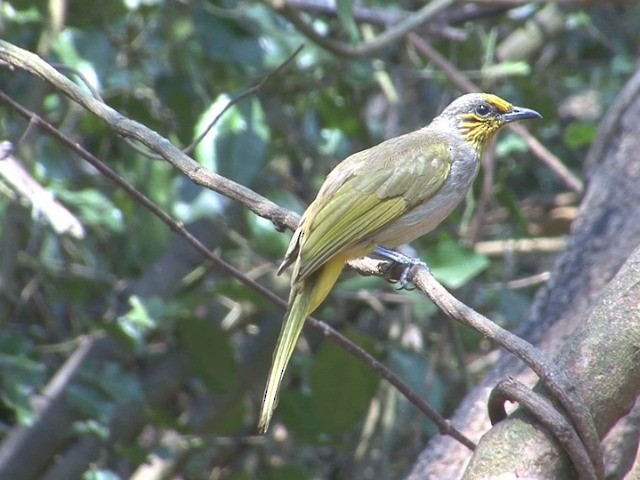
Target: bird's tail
304, 299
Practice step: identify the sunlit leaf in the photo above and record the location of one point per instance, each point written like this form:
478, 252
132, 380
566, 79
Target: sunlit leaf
91, 427
345, 14
142, 317
236, 145
453, 264
92, 207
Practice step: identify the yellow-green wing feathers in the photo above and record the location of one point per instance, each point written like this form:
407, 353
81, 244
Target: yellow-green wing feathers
328, 236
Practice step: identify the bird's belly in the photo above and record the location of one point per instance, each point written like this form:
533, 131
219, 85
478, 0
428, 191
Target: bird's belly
424, 218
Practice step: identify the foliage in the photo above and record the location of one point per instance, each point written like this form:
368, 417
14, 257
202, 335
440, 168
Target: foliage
173, 66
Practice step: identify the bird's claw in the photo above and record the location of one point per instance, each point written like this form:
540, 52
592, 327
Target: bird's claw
407, 263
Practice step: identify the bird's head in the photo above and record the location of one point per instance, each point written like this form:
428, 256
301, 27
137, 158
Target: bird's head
478, 116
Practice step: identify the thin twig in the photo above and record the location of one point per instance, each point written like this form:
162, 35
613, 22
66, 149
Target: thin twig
238, 98
390, 36
521, 245
387, 17
248, 92
517, 283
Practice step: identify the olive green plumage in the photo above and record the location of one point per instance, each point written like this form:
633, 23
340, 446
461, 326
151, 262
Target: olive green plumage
387, 195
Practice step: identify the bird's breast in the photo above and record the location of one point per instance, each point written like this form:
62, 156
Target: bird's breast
427, 216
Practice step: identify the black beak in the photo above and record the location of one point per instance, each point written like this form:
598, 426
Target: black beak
520, 113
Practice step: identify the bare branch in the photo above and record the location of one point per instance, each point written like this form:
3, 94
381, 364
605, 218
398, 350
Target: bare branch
392, 35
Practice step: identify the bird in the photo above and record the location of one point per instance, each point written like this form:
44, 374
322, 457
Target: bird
378, 199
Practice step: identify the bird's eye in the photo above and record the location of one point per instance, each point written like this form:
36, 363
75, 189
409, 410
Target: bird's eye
483, 110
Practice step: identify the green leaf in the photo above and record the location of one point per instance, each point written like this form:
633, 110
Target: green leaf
236, 145
93, 207
453, 264
132, 327
91, 427
341, 386
509, 144
345, 14
209, 354
234, 45
20, 376
94, 474
580, 134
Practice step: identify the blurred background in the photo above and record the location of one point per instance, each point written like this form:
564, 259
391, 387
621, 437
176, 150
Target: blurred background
124, 354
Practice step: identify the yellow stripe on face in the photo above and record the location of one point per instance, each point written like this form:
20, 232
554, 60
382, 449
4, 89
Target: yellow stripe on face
501, 105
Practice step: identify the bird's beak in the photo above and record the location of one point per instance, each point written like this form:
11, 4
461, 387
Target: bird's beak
520, 113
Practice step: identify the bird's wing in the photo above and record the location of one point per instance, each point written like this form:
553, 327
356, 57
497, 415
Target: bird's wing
378, 189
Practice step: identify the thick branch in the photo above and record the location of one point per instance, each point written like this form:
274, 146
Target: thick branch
602, 356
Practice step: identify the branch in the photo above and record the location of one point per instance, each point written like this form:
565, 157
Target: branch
604, 235
392, 35
605, 346
43, 204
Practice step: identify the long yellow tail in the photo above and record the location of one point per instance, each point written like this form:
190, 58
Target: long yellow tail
303, 301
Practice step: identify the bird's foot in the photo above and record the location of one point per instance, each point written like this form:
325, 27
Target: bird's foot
399, 259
